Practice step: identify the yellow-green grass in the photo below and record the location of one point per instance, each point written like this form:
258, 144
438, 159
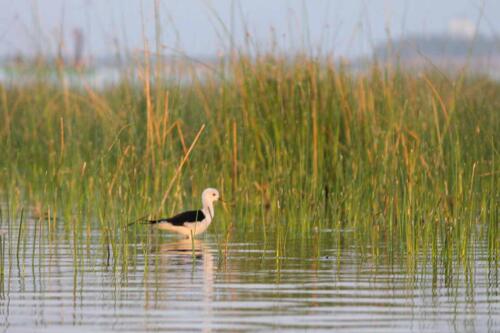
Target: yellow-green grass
296, 145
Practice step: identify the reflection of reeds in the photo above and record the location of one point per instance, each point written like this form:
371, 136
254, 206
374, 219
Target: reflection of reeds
2, 263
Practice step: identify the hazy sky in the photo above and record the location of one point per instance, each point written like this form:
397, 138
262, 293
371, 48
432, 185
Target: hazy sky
202, 27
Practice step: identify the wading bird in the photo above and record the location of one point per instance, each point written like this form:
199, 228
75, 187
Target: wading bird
193, 222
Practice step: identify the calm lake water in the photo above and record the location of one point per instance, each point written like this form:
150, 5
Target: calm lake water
59, 285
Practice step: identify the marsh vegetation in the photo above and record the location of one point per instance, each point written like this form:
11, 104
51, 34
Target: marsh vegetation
319, 164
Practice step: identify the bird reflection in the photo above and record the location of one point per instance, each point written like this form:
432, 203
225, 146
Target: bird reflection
187, 270
185, 247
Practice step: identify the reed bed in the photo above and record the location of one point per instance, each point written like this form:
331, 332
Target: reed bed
298, 145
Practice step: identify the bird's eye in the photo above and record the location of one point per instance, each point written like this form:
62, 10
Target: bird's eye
213, 194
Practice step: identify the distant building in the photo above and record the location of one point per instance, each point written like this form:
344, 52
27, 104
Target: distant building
462, 28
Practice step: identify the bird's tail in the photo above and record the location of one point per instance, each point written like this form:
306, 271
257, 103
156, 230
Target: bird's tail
141, 220
156, 221
145, 220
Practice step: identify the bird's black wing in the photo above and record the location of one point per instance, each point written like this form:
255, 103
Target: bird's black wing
180, 219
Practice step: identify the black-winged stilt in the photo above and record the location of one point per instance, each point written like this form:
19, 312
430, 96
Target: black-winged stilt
193, 222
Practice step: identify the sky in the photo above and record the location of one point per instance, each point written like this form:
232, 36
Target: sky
204, 28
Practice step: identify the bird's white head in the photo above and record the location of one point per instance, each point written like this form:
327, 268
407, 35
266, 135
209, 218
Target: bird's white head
209, 196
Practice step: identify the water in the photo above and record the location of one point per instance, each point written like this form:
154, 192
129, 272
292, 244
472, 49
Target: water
62, 285
99, 77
